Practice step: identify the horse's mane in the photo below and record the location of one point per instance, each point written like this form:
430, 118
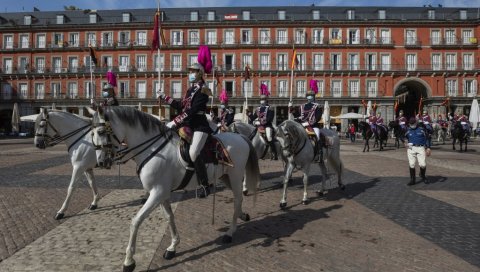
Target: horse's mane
293, 128
134, 117
243, 128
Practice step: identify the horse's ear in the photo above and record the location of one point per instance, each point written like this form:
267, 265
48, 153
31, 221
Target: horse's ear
90, 110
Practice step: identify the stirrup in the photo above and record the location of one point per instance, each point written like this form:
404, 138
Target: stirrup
204, 191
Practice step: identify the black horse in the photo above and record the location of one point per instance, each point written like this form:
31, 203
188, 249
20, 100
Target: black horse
460, 134
367, 133
398, 131
381, 135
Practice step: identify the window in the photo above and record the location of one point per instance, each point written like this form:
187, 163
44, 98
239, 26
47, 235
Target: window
264, 62
177, 37
107, 39
229, 62
72, 89
229, 37
211, 37
176, 89
8, 41
468, 61
264, 36
107, 61
55, 88
353, 62
299, 36
72, 64
93, 18
89, 89
124, 64
247, 88
317, 36
176, 62
27, 20
23, 90
193, 15
40, 64
247, 60
245, 15
351, 14
60, 19
467, 35
91, 39
141, 38
353, 36
336, 88
57, 40
211, 16
7, 65
463, 15
321, 88
470, 87
411, 62
246, 36
141, 89
126, 17
411, 37
193, 37
192, 59
41, 41
6, 91
24, 41
436, 62
370, 36
283, 88
316, 15
57, 64
142, 63
39, 91
435, 37
371, 88
318, 62
123, 89
156, 87
382, 14
431, 14
385, 36
162, 62
282, 62
354, 88
335, 34
336, 62
282, 15
22, 65
282, 37
370, 61
450, 37
124, 38
301, 62
451, 61
452, 87
301, 87
74, 39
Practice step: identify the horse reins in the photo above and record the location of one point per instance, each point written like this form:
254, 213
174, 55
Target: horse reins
57, 138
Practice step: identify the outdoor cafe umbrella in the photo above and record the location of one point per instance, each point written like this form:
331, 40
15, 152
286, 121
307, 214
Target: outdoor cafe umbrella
369, 109
15, 118
474, 117
350, 115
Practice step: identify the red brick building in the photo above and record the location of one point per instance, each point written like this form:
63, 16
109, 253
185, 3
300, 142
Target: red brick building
379, 54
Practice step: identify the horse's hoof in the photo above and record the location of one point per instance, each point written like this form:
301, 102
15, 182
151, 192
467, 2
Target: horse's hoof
129, 268
92, 207
305, 202
59, 216
245, 217
283, 205
245, 193
320, 193
226, 239
143, 200
168, 255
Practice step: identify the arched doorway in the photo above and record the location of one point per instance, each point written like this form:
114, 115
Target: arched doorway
408, 92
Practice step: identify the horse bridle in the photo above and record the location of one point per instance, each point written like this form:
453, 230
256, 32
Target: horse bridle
292, 149
57, 138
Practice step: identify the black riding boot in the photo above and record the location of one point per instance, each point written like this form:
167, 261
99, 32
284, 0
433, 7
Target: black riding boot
412, 177
273, 150
422, 174
318, 151
202, 177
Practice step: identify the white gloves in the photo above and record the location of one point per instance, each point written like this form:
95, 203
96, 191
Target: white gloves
161, 94
290, 104
305, 124
256, 123
171, 124
219, 125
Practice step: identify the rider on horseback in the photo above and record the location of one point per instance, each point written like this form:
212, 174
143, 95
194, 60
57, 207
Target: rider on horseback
463, 119
109, 94
226, 117
310, 115
402, 120
376, 122
193, 107
263, 116
443, 124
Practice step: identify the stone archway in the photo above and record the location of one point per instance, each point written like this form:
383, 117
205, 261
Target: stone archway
409, 91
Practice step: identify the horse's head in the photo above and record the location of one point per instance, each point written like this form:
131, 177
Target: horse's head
289, 134
43, 135
392, 124
102, 135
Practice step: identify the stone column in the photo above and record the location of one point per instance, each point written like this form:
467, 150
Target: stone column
149, 109
80, 111
344, 122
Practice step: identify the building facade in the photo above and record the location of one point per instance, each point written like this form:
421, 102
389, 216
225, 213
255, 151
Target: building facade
379, 54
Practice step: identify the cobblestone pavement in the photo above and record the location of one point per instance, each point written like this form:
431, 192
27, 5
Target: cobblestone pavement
377, 224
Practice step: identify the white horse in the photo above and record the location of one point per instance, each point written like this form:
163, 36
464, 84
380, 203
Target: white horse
53, 127
161, 168
299, 151
440, 132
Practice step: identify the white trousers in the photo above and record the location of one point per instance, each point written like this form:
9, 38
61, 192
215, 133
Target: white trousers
415, 153
317, 132
198, 141
268, 131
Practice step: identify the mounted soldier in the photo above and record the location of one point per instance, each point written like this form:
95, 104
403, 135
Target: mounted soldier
426, 120
402, 120
227, 113
193, 112
108, 93
263, 117
463, 119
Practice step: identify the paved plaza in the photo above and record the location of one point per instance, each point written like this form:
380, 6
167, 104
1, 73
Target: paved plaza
377, 224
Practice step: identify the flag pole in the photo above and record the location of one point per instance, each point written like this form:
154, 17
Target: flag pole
158, 61
290, 115
92, 89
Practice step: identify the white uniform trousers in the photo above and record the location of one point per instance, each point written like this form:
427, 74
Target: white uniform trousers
415, 153
268, 131
317, 132
198, 141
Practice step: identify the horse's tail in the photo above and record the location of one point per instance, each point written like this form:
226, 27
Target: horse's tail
252, 170
333, 158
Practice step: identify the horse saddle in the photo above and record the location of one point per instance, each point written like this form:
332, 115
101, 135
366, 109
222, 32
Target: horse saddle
212, 152
310, 131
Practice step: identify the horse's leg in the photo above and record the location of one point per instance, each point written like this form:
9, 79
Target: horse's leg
235, 174
453, 142
170, 252
288, 174
75, 175
152, 202
323, 169
305, 200
91, 181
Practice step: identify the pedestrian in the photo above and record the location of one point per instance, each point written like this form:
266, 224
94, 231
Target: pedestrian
417, 149
351, 129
